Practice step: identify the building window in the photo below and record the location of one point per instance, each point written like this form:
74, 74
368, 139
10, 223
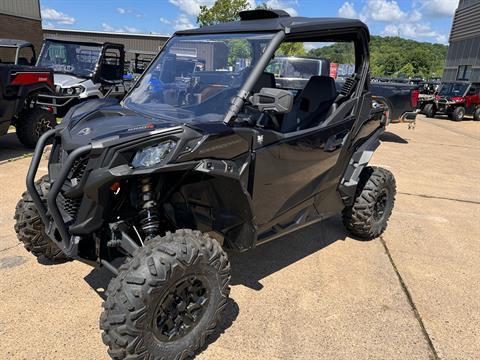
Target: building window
464, 72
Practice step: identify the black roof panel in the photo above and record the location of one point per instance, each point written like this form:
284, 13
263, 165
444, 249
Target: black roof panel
294, 24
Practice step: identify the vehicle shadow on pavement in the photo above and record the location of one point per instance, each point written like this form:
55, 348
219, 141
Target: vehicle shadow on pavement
393, 138
11, 148
250, 267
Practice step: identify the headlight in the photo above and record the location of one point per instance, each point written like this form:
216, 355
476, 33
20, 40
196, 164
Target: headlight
78, 89
153, 155
74, 90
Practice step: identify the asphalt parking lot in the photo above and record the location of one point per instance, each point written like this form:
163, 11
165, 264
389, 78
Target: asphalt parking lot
412, 294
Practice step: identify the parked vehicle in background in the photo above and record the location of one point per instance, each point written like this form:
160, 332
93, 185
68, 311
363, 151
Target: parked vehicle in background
17, 52
82, 71
427, 91
20, 86
456, 99
293, 72
140, 61
401, 100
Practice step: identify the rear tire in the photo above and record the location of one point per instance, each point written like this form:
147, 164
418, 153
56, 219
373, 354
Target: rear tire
429, 110
476, 114
32, 123
367, 218
30, 228
458, 114
167, 298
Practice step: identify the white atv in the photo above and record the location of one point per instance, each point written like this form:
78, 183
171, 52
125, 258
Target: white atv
82, 71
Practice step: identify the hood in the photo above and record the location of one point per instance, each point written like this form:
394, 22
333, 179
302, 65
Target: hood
66, 80
102, 118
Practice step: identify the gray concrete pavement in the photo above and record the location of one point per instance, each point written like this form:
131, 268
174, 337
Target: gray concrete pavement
317, 294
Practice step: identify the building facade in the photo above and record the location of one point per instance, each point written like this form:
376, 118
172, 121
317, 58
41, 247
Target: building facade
133, 43
463, 57
21, 19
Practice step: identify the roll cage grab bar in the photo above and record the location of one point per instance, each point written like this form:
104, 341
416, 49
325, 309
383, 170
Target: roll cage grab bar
239, 99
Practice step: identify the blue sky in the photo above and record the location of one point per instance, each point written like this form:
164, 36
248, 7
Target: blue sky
422, 20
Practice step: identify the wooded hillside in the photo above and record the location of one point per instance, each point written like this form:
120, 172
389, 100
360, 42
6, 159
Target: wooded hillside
392, 56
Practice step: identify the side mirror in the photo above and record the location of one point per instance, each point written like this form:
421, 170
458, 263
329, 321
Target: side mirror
472, 91
275, 100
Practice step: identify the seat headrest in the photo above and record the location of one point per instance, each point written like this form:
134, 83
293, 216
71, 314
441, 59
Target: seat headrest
266, 80
320, 86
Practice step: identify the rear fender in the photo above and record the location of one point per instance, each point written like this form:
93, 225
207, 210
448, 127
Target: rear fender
359, 160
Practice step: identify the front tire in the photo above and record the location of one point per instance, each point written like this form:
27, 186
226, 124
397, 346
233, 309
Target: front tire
167, 299
476, 114
368, 216
458, 114
429, 110
32, 124
30, 228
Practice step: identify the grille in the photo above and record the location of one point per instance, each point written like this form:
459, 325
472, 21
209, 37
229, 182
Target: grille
78, 169
69, 205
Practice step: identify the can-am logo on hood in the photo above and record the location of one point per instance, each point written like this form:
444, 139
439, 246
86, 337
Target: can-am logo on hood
85, 131
141, 127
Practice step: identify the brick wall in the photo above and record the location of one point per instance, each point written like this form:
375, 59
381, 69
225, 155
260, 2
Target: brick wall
13, 27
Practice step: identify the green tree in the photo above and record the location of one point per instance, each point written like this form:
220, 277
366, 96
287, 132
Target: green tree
239, 49
391, 56
221, 11
407, 70
291, 49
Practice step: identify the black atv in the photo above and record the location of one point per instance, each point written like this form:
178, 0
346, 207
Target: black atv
166, 185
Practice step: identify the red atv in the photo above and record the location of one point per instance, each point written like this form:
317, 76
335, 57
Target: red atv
456, 100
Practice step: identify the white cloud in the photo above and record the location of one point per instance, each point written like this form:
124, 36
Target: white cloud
382, 10
347, 10
47, 25
438, 7
125, 11
57, 17
286, 5
124, 29
415, 31
409, 23
165, 21
191, 7
182, 22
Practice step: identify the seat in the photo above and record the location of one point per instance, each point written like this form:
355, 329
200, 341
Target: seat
312, 106
266, 80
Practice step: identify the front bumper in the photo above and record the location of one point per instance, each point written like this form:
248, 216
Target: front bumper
55, 226
59, 103
87, 190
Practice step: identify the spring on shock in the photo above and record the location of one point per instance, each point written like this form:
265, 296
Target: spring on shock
149, 222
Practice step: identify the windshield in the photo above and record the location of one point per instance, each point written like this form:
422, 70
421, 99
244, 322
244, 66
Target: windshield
7, 55
25, 55
197, 75
453, 90
70, 58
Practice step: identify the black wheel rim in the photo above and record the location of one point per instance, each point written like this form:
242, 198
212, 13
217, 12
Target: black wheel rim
380, 205
181, 308
43, 125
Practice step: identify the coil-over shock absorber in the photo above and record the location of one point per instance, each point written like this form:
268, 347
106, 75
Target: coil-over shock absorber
149, 218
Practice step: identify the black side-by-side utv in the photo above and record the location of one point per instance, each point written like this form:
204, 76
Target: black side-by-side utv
167, 183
